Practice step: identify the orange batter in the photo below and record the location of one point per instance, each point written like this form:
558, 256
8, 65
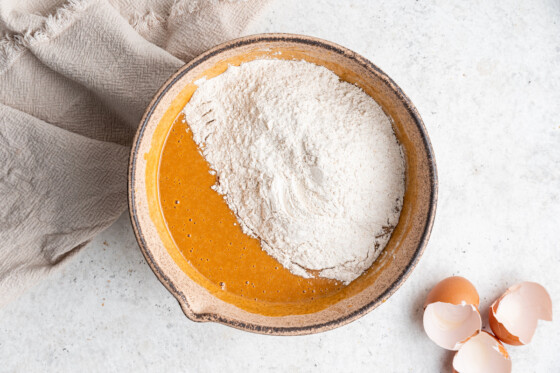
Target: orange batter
207, 234
201, 235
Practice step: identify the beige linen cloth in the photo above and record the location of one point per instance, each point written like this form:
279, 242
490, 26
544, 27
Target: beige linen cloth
75, 79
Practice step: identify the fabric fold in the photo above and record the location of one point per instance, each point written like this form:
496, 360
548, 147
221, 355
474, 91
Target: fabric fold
75, 78
57, 190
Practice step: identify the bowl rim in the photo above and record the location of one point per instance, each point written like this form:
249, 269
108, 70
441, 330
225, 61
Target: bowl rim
288, 330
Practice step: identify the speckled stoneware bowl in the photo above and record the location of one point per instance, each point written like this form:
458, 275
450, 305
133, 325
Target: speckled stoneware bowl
199, 301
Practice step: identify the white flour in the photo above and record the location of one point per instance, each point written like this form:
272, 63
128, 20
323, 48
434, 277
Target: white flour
309, 164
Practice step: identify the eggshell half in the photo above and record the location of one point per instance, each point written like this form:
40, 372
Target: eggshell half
453, 290
514, 316
451, 313
482, 353
449, 325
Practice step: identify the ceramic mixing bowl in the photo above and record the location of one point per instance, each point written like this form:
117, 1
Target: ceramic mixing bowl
202, 300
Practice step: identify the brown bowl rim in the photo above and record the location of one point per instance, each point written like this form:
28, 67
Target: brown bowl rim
292, 330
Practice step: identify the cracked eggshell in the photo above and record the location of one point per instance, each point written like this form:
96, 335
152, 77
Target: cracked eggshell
482, 353
451, 313
514, 316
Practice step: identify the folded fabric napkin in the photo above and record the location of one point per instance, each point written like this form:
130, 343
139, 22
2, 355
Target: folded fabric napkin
75, 79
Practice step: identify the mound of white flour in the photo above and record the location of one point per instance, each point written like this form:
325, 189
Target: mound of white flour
308, 163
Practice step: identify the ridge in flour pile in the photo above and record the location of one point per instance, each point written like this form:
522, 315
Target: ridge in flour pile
309, 164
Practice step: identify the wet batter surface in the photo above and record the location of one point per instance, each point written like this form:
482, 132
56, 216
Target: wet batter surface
207, 234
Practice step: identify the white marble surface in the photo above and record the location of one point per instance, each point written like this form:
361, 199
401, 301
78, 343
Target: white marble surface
485, 76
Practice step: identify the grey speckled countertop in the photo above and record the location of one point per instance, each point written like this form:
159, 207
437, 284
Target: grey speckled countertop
485, 76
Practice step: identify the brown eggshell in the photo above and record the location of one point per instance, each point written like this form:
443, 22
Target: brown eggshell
450, 325
451, 314
453, 290
514, 316
469, 358
499, 330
